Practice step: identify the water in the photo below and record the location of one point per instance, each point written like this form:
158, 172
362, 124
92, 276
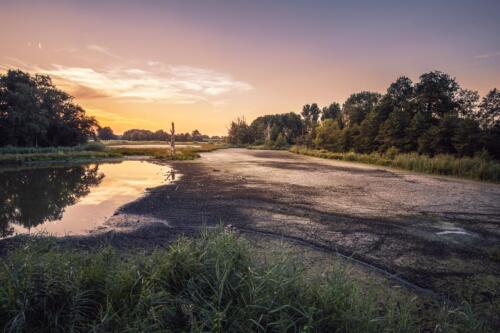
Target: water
166, 146
72, 200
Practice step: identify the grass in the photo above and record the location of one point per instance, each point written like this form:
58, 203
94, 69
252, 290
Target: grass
21, 155
464, 167
182, 153
212, 283
95, 151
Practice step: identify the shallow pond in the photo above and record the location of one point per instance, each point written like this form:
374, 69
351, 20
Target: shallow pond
71, 200
166, 146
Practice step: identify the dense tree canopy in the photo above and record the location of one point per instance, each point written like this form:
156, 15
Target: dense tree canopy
106, 133
33, 112
432, 116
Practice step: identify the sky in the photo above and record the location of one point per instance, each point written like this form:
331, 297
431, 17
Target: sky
201, 64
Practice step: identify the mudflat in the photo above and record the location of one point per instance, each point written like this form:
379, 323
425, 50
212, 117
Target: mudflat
439, 233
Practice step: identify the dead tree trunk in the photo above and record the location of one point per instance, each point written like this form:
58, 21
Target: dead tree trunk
172, 140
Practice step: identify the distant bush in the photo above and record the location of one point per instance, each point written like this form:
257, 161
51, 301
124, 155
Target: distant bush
94, 146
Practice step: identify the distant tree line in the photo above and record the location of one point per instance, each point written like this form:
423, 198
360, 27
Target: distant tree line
106, 133
432, 116
33, 112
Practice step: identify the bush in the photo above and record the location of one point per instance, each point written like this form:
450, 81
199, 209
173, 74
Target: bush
280, 141
94, 146
391, 153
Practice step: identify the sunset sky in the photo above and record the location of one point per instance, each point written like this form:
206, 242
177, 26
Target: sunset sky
142, 64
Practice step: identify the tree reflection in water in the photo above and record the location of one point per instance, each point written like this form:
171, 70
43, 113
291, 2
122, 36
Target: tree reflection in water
34, 196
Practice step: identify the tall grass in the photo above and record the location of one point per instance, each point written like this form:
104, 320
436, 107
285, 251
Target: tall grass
209, 284
464, 167
90, 146
182, 153
96, 150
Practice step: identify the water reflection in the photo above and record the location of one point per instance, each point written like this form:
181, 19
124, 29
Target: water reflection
32, 197
72, 200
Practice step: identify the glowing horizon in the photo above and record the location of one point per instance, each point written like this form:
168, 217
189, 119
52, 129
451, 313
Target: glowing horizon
143, 64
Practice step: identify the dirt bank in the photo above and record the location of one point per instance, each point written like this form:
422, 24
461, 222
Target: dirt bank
439, 233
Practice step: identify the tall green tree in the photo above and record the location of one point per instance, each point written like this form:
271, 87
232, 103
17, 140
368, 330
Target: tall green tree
436, 94
358, 105
489, 110
33, 112
239, 133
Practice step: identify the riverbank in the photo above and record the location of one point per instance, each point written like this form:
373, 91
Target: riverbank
446, 165
96, 152
215, 281
438, 233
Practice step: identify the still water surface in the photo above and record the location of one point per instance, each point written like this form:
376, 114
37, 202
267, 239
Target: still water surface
72, 199
166, 146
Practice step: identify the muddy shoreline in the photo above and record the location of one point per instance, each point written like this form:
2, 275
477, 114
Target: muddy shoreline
439, 234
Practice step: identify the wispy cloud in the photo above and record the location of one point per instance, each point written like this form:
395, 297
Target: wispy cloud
175, 84
102, 50
487, 55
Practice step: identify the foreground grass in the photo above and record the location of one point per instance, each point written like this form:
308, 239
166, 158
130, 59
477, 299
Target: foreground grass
96, 151
212, 283
465, 167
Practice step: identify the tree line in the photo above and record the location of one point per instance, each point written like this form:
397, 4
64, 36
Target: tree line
432, 116
33, 112
106, 133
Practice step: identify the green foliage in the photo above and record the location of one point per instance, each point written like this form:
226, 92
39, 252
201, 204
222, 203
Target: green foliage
267, 128
358, 105
210, 284
106, 133
433, 116
94, 146
240, 133
328, 135
162, 153
465, 167
280, 141
56, 155
33, 112
333, 111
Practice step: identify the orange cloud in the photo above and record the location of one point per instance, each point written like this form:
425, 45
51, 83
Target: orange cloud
175, 84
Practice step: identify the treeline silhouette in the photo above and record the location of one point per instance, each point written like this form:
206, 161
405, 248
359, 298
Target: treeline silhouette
106, 133
33, 112
432, 116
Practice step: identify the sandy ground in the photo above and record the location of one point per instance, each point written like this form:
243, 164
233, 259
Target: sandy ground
439, 233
